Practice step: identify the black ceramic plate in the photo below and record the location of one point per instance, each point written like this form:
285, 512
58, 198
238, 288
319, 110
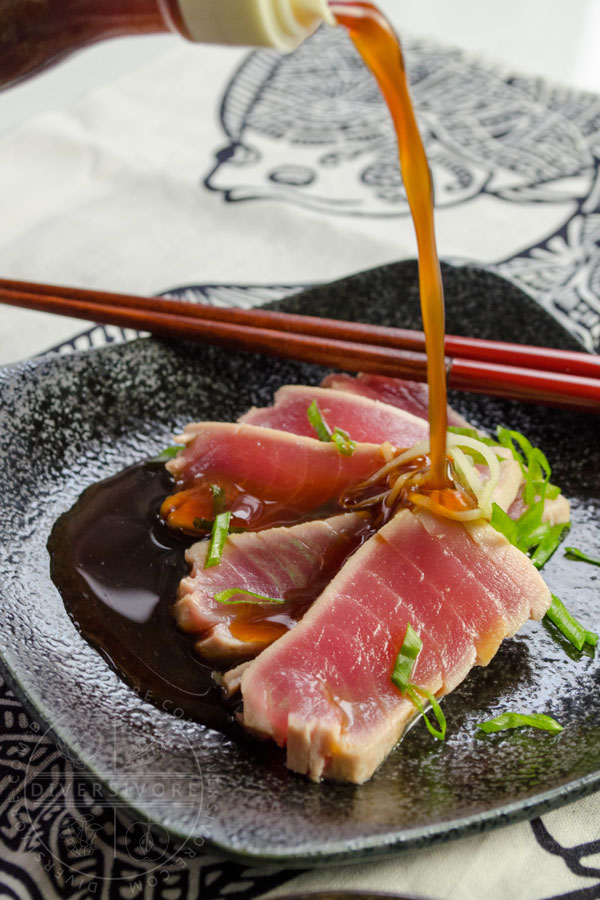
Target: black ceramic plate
68, 422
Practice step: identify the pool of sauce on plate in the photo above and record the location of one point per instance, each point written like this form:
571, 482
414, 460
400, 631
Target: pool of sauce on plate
117, 567
115, 562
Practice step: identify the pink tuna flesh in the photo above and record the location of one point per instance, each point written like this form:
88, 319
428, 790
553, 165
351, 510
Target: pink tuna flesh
411, 396
293, 564
364, 419
269, 477
324, 689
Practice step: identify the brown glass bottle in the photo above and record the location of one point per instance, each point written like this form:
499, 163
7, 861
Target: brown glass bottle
35, 34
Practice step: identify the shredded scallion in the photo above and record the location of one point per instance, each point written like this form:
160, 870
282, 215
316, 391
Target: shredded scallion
346, 446
574, 553
401, 675
223, 597
413, 692
218, 495
568, 625
505, 721
406, 659
203, 524
318, 422
548, 545
168, 453
503, 523
342, 440
472, 433
220, 530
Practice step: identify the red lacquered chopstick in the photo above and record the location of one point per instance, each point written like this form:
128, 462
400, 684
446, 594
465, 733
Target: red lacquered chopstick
345, 345
507, 354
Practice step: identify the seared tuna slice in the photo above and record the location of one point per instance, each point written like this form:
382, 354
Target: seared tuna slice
268, 477
505, 571
411, 396
364, 419
324, 689
293, 564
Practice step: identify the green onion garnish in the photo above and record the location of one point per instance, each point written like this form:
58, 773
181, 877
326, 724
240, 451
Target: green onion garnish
528, 532
472, 433
223, 596
220, 530
218, 499
574, 553
503, 523
534, 465
573, 630
318, 422
548, 545
168, 453
440, 733
342, 440
346, 446
406, 659
401, 674
203, 524
518, 720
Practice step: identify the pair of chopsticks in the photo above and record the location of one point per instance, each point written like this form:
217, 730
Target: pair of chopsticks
533, 374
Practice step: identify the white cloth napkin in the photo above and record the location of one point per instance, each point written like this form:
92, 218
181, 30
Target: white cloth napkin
556, 857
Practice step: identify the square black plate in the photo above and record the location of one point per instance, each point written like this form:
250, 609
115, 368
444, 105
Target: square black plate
67, 422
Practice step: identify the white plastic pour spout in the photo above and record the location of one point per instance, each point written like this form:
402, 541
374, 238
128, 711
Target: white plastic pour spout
281, 24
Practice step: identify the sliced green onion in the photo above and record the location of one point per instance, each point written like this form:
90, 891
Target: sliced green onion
168, 453
342, 440
346, 446
203, 524
518, 720
218, 499
537, 476
573, 630
220, 530
574, 553
318, 422
472, 433
405, 661
529, 526
401, 674
413, 691
503, 523
534, 465
548, 545
508, 438
223, 597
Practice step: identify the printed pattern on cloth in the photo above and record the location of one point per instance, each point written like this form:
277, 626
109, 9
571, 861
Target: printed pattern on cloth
528, 150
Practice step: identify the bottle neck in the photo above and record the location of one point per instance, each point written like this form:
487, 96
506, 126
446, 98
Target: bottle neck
282, 24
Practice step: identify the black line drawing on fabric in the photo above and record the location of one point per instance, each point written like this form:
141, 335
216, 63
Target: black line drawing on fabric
69, 841
574, 859
311, 129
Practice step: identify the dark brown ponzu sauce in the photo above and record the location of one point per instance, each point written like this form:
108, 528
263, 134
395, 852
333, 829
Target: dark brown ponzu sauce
115, 562
117, 567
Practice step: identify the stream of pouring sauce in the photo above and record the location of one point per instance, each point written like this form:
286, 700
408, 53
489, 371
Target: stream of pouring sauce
114, 561
377, 43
